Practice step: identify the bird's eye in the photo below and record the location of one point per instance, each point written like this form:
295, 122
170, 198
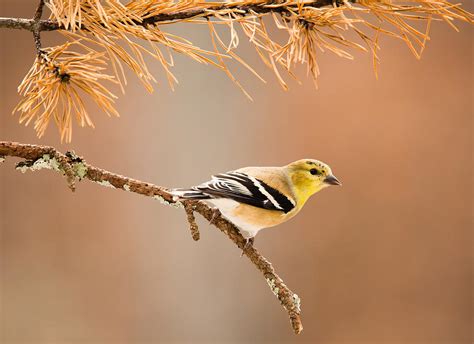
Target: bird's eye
314, 171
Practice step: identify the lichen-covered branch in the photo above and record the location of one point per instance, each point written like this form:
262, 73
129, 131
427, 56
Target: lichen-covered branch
75, 168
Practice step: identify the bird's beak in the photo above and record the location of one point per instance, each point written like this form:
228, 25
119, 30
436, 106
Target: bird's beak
331, 180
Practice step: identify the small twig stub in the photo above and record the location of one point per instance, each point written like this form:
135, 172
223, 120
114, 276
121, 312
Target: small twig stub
193, 227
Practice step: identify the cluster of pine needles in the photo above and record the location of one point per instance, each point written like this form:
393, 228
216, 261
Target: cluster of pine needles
105, 36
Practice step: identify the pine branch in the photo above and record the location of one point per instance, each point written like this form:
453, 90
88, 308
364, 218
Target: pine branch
75, 168
208, 12
104, 37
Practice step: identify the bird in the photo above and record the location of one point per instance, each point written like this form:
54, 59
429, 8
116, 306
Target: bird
254, 198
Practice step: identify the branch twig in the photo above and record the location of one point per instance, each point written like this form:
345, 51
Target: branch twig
193, 227
74, 167
261, 8
36, 26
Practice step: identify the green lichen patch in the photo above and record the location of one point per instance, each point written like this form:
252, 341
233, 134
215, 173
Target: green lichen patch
80, 169
271, 283
45, 162
105, 183
297, 302
176, 204
78, 165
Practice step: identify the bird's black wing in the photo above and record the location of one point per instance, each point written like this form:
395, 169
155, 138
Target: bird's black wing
243, 188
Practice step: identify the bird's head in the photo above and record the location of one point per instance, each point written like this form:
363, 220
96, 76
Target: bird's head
310, 176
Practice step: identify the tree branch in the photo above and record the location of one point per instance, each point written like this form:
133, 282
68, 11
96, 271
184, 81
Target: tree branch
260, 8
74, 167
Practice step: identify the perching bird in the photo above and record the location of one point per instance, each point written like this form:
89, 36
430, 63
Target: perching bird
253, 198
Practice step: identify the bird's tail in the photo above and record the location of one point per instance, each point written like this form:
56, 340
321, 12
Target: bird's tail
189, 194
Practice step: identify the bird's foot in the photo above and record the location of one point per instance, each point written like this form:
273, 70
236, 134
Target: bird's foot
248, 244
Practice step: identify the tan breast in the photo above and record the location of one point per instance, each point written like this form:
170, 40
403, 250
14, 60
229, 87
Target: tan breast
262, 218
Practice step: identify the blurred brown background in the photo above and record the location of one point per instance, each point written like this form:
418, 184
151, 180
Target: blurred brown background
384, 259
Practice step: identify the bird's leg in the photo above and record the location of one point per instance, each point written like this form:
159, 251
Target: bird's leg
215, 214
248, 244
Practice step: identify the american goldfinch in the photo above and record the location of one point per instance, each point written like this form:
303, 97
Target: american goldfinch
253, 198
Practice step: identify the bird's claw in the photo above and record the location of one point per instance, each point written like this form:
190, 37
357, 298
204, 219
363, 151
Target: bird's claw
216, 213
248, 244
